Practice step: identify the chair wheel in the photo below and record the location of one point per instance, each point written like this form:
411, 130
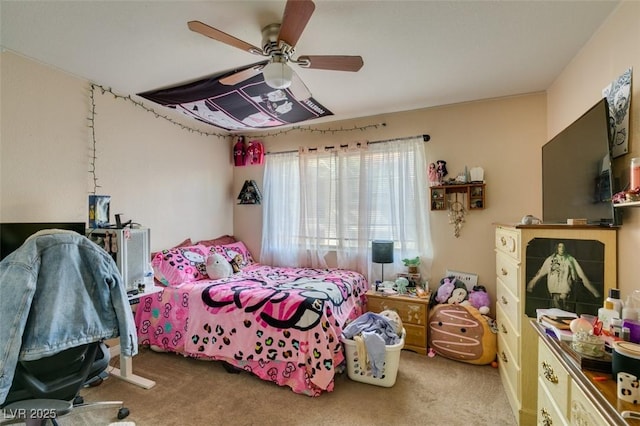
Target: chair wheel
122, 413
78, 400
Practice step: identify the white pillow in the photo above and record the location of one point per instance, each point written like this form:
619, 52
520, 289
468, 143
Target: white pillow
218, 267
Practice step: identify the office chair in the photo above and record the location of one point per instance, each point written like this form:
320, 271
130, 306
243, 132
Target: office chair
48, 388
63, 296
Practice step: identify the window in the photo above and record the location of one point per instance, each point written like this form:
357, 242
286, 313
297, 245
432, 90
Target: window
340, 200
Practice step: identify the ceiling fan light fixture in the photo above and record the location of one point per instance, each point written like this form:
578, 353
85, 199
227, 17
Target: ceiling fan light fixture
277, 75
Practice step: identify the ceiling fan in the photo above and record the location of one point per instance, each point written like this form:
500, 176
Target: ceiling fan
278, 44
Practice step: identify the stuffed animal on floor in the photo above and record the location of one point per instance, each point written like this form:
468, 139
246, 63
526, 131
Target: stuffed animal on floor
454, 291
218, 267
451, 290
479, 299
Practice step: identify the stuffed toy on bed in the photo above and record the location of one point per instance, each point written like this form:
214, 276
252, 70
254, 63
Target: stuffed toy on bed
218, 267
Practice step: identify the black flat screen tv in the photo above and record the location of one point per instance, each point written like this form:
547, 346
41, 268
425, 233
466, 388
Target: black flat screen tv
12, 235
577, 175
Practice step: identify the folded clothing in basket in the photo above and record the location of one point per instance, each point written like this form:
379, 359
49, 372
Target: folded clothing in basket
377, 331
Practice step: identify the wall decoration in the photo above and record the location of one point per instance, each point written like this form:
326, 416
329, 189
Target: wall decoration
457, 213
99, 211
249, 104
566, 274
618, 94
250, 194
240, 152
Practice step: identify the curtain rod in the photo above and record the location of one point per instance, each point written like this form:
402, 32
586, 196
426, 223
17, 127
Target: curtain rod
425, 138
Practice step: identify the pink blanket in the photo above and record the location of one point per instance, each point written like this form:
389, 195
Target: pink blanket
281, 324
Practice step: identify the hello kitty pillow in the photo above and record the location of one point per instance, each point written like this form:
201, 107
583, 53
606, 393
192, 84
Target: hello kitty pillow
180, 265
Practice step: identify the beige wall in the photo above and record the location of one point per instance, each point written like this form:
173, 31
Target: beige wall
181, 184
610, 52
175, 182
503, 136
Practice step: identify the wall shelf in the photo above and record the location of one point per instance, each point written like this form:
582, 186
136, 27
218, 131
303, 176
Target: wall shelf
474, 193
628, 204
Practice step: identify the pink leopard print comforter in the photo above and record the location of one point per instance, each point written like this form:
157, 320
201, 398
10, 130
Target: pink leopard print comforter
281, 324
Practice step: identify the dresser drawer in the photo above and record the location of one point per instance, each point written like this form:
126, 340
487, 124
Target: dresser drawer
582, 410
508, 242
410, 312
510, 335
548, 412
509, 367
509, 304
507, 272
416, 335
555, 379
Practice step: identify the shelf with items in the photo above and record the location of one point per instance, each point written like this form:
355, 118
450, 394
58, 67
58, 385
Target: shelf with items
473, 192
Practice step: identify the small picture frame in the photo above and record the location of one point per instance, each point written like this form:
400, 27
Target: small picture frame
99, 211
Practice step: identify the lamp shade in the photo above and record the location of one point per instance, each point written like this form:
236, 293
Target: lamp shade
382, 251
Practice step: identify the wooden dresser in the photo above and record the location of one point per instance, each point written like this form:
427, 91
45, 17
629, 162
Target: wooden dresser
569, 395
517, 340
414, 313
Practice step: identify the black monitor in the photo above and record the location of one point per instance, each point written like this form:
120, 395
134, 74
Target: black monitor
12, 235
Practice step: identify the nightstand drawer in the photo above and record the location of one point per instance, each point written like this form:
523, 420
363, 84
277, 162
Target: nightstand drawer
416, 335
410, 312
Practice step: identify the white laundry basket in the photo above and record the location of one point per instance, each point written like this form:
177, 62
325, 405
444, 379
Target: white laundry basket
361, 372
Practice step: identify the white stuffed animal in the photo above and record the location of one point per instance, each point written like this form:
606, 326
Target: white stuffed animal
218, 267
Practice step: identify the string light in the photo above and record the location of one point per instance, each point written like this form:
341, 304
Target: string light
226, 136
316, 130
92, 163
309, 129
156, 113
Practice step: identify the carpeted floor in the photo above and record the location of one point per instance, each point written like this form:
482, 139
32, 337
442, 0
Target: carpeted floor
428, 391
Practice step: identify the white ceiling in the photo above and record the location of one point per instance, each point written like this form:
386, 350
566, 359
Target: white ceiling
416, 53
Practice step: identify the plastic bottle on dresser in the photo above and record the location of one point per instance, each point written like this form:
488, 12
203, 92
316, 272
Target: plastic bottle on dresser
629, 310
607, 313
614, 297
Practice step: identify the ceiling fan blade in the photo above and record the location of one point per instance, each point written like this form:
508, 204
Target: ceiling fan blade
330, 62
296, 16
223, 37
242, 75
298, 89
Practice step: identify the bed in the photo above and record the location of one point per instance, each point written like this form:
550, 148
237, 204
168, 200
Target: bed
281, 324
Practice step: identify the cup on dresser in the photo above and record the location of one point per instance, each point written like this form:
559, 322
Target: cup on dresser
628, 387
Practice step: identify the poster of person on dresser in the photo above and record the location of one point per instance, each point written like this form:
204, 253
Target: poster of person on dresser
565, 274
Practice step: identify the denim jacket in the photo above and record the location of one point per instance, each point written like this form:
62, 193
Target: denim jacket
57, 291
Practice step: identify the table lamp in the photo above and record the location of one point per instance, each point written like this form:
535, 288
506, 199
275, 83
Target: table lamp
382, 252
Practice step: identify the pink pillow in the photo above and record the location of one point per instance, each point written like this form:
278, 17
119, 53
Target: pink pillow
225, 239
180, 265
236, 252
185, 243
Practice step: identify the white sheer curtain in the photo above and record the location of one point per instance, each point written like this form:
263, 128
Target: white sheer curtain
339, 200
281, 211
